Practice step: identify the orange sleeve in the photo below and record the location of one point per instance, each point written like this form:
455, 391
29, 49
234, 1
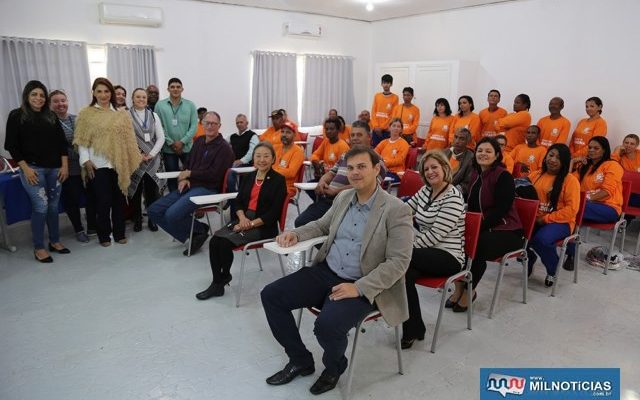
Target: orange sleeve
512, 120
564, 132
380, 147
600, 129
475, 126
612, 181
568, 204
374, 109
413, 125
319, 153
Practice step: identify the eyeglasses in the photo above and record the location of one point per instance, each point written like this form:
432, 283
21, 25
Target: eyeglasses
207, 123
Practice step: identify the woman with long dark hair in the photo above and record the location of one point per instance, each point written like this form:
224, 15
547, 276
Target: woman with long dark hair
492, 193
559, 195
601, 179
36, 141
108, 154
466, 118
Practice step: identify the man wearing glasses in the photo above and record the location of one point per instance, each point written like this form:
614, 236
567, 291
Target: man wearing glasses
204, 171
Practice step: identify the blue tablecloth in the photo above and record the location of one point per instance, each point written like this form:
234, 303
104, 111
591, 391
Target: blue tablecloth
16, 201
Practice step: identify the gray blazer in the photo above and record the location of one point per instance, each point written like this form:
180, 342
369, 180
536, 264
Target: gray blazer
387, 245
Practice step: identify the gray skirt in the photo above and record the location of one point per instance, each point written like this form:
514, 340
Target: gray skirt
239, 238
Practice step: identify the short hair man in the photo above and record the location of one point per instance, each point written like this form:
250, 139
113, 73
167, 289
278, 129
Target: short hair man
529, 155
335, 180
461, 159
365, 116
242, 142
409, 114
153, 94
362, 263
383, 103
289, 157
180, 120
272, 134
491, 114
203, 175
554, 128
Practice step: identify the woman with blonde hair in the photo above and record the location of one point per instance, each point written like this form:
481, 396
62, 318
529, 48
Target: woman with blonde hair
109, 155
438, 247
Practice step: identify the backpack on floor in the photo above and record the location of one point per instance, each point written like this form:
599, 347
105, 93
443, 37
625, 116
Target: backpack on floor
597, 256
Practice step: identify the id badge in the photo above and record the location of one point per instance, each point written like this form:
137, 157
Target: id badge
147, 137
174, 122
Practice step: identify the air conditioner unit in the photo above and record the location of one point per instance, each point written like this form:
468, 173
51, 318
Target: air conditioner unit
303, 30
129, 15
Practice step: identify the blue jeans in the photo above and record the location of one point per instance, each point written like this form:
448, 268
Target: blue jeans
596, 212
171, 164
173, 213
544, 243
44, 196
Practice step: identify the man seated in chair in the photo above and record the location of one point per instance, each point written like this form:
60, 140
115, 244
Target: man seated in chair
335, 180
359, 268
210, 158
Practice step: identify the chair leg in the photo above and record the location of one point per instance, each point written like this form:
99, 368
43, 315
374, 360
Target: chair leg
209, 223
496, 291
563, 252
354, 347
612, 246
193, 221
244, 258
299, 319
399, 350
525, 277
259, 262
469, 300
443, 300
281, 264
576, 258
624, 235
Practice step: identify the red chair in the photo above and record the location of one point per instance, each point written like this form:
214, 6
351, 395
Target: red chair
410, 184
412, 159
316, 143
527, 211
303, 136
517, 170
258, 245
419, 142
575, 238
634, 178
620, 224
471, 234
205, 210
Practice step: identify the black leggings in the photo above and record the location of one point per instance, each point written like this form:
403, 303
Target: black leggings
151, 194
220, 257
491, 245
72, 192
425, 262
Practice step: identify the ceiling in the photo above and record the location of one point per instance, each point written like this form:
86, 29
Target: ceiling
355, 9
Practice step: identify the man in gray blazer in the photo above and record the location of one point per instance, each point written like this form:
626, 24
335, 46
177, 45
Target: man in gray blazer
360, 266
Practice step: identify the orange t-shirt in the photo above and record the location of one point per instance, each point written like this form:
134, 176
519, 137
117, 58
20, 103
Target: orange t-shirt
288, 165
533, 157
586, 129
627, 163
514, 127
488, 120
410, 116
381, 110
471, 122
199, 131
553, 131
271, 135
568, 203
455, 164
607, 177
508, 162
330, 152
394, 154
438, 134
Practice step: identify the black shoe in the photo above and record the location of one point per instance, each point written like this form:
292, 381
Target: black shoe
226, 280
137, 225
215, 290
196, 242
325, 383
152, 226
45, 260
548, 281
63, 250
288, 373
458, 308
568, 264
407, 343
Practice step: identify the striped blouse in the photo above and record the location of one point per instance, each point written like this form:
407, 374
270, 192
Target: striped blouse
441, 221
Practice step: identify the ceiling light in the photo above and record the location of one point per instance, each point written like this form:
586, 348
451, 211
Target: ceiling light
369, 6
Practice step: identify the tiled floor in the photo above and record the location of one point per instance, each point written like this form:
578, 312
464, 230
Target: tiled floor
123, 323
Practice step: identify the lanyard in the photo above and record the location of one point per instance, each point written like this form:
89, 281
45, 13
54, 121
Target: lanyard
69, 128
175, 112
146, 116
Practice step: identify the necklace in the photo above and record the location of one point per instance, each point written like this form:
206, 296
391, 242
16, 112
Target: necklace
259, 182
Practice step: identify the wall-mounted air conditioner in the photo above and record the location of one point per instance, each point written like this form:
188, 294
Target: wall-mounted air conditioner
129, 15
302, 30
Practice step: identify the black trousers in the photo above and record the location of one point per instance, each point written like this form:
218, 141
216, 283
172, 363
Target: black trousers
151, 194
109, 205
491, 245
425, 262
310, 287
73, 191
220, 257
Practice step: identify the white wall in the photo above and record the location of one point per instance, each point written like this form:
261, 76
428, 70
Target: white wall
207, 45
569, 48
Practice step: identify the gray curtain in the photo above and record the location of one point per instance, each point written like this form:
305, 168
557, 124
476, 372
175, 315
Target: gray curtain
274, 86
131, 66
57, 64
328, 83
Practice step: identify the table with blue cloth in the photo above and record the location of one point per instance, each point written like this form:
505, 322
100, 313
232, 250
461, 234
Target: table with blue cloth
15, 206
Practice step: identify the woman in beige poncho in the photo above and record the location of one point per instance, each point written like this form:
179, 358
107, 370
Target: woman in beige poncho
108, 155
